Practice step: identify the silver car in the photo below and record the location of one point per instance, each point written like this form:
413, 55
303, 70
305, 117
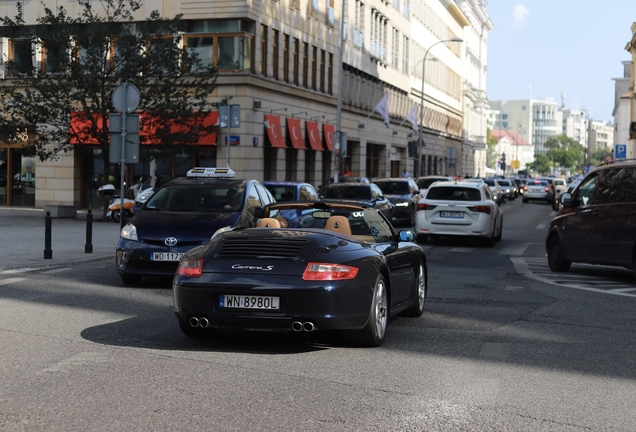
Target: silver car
537, 190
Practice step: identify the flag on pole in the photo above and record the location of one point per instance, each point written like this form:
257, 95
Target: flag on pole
412, 118
383, 109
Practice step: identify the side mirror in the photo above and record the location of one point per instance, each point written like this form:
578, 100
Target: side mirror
566, 199
407, 236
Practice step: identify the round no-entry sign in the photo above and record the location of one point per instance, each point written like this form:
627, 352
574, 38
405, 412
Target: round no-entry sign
126, 97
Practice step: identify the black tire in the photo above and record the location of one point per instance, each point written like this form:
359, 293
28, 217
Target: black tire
115, 216
130, 279
419, 297
556, 258
374, 331
198, 332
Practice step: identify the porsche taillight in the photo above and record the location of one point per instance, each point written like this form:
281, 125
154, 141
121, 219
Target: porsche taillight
325, 271
425, 206
190, 268
480, 209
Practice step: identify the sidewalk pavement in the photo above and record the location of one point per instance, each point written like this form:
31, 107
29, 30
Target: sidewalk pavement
22, 239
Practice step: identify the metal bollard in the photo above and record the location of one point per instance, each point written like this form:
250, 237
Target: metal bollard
88, 247
48, 253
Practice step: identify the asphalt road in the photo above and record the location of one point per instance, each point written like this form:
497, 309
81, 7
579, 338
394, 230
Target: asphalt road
502, 346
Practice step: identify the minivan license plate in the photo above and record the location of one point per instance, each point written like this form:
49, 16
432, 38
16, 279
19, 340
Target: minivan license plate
249, 302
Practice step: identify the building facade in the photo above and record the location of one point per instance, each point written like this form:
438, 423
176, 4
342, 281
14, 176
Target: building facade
279, 61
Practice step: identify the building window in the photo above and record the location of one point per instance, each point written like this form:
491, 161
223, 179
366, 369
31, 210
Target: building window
21, 56
306, 64
377, 36
275, 54
226, 51
296, 62
314, 68
286, 58
405, 55
313, 11
407, 8
330, 75
395, 57
294, 4
358, 25
323, 58
263, 50
331, 19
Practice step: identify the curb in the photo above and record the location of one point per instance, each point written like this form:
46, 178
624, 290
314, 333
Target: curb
70, 263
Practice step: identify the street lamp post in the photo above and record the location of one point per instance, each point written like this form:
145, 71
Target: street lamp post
420, 137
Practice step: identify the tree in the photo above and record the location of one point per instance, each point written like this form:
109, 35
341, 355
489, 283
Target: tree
565, 152
597, 157
541, 164
87, 56
491, 151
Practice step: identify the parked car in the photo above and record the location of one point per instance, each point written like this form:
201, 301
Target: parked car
424, 182
404, 193
521, 184
349, 270
596, 224
466, 209
183, 214
367, 193
537, 190
291, 191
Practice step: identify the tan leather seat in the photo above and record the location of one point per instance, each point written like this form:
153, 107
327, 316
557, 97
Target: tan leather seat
268, 223
339, 224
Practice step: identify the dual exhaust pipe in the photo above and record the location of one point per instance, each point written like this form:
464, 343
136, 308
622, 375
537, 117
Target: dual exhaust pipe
199, 322
299, 326
296, 326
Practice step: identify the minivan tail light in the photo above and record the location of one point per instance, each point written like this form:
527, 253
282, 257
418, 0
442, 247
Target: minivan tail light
329, 272
190, 268
547, 189
480, 209
425, 206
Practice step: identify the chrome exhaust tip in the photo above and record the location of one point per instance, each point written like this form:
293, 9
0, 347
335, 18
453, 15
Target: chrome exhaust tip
297, 326
194, 322
203, 322
308, 326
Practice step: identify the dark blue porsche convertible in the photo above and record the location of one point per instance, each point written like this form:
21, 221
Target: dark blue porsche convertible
307, 266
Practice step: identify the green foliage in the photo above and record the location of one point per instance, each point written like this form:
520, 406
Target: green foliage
541, 164
597, 157
565, 152
87, 56
491, 152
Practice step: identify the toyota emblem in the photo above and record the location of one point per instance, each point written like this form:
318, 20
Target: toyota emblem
170, 241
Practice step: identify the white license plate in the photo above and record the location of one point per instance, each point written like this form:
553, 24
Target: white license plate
451, 214
166, 256
249, 302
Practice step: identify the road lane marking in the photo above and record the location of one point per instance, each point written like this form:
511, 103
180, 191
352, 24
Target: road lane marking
12, 280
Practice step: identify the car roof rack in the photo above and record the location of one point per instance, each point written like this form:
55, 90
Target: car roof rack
203, 172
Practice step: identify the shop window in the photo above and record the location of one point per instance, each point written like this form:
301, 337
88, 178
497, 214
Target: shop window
227, 52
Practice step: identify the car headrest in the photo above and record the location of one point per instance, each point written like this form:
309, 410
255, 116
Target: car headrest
339, 224
268, 223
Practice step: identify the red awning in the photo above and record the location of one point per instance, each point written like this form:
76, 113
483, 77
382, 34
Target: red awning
295, 133
314, 135
327, 131
274, 132
80, 132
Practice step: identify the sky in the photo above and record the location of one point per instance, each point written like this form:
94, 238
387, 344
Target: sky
544, 48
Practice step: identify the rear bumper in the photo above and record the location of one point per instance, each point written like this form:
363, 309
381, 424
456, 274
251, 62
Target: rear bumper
328, 307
